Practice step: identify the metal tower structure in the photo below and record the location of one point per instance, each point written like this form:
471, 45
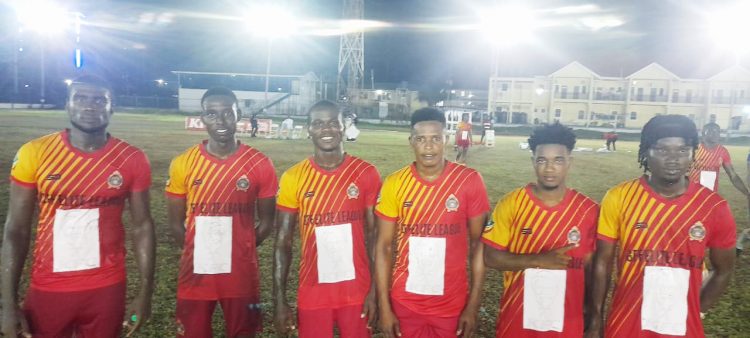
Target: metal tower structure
351, 68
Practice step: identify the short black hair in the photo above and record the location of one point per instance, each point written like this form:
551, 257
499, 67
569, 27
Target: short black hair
711, 125
662, 126
218, 91
555, 133
323, 105
90, 80
427, 114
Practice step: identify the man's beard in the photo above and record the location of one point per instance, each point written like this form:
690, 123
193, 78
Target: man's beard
86, 130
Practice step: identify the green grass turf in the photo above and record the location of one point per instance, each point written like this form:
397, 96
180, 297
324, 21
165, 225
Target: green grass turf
504, 168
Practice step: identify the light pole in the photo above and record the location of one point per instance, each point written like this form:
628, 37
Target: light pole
270, 22
45, 18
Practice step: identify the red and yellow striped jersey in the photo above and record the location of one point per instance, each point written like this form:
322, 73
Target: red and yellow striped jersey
217, 188
329, 199
653, 232
432, 220
523, 224
68, 181
711, 160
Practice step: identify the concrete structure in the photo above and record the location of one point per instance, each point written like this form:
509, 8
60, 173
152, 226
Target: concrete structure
576, 95
390, 104
303, 92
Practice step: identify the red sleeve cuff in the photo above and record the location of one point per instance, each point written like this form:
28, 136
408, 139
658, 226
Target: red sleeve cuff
286, 209
606, 238
493, 244
173, 195
385, 217
22, 183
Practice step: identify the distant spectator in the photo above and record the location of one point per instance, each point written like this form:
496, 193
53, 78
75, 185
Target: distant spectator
611, 139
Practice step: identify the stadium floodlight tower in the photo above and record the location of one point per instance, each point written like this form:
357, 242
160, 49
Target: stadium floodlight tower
351, 69
45, 18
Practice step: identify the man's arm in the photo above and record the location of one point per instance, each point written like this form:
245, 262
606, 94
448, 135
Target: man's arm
266, 212
282, 258
722, 260
467, 322
15, 248
602, 269
370, 306
386, 230
736, 179
176, 210
144, 247
506, 261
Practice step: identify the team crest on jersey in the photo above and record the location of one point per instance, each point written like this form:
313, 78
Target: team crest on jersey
451, 204
115, 180
352, 192
697, 232
574, 235
243, 183
489, 225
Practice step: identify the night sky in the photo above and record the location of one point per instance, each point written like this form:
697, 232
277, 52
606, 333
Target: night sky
135, 42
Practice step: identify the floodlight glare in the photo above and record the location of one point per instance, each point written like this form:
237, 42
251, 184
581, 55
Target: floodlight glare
68, 82
271, 21
41, 16
728, 27
507, 26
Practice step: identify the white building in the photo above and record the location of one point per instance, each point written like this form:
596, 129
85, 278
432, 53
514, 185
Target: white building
576, 95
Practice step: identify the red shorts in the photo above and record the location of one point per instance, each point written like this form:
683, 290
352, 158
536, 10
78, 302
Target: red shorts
319, 322
90, 313
415, 325
463, 143
241, 315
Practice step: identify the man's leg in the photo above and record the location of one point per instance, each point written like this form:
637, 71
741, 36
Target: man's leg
102, 312
194, 318
315, 323
50, 314
242, 316
350, 322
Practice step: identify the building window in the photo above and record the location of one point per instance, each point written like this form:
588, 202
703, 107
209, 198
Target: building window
639, 96
544, 110
504, 87
719, 93
675, 95
583, 90
593, 114
633, 115
742, 93
661, 91
558, 112
581, 115
557, 89
689, 96
576, 92
564, 92
652, 95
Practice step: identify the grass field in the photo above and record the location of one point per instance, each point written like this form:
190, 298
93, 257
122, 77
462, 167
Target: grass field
504, 168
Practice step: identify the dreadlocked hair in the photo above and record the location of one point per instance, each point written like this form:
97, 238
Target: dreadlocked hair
555, 133
662, 126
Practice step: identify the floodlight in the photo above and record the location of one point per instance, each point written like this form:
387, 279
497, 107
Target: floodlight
507, 26
728, 27
271, 21
41, 16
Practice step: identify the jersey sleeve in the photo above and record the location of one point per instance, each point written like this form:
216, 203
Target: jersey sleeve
142, 179
478, 202
722, 227
286, 200
725, 158
387, 204
497, 232
372, 184
176, 185
609, 216
269, 183
25, 164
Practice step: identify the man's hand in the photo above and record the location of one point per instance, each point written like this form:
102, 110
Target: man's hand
389, 324
140, 310
467, 323
554, 259
15, 324
283, 319
370, 309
